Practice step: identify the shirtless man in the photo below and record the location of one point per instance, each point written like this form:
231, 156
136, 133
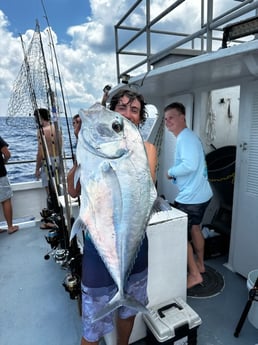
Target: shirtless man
52, 145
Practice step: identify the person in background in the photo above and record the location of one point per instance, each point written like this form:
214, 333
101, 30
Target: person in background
53, 147
96, 281
76, 118
189, 173
5, 189
48, 159
76, 124
105, 96
70, 176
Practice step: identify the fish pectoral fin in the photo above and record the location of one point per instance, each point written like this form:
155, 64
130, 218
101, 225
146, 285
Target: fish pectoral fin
119, 301
77, 227
77, 175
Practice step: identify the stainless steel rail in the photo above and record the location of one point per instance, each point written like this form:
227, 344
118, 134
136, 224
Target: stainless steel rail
206, 34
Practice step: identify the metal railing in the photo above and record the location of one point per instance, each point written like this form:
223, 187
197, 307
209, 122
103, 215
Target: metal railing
206, 35
23, 174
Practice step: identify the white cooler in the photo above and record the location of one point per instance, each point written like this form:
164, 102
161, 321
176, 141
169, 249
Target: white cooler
167, 235
174, 322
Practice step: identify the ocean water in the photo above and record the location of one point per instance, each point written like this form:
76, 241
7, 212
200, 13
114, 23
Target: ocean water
21, 135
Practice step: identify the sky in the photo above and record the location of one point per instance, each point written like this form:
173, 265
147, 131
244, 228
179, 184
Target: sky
61, 13
83, 33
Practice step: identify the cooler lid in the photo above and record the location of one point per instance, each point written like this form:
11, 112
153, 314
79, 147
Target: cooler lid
164, 319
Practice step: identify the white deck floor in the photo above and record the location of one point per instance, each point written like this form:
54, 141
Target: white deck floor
35, 308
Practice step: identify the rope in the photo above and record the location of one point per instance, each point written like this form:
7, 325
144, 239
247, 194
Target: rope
210, 123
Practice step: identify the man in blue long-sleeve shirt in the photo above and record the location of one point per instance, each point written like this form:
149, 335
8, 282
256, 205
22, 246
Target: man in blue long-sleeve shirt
189, 173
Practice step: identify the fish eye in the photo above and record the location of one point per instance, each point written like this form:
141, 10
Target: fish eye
118, 125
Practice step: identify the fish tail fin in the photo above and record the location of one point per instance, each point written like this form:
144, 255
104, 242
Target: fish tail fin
119, 300
113, 304
132, 303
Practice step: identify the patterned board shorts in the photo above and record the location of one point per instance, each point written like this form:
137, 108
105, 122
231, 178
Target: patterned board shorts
5, 189
94, 299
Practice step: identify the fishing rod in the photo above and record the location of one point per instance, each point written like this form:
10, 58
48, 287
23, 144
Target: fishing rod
60, 82
59, 77
57, 130
74, 251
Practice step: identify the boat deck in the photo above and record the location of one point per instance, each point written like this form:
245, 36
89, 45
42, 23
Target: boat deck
35, 308
220, 314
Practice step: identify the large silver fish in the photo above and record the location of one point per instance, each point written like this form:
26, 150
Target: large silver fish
117, 193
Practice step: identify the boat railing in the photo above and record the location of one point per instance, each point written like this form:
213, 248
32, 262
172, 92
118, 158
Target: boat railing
208, 38
29, 161
23, 175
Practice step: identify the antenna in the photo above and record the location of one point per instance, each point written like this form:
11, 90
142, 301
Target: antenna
59, 76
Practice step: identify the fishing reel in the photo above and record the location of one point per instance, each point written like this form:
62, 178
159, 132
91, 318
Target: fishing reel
72, 284
72, 281
55, 219
53, 238
46, 215
107, 88
54, 235
61, 256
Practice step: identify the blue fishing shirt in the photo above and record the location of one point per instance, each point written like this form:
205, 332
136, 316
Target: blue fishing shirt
190, 169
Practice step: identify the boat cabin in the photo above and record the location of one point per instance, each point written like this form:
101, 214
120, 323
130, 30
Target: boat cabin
217, 83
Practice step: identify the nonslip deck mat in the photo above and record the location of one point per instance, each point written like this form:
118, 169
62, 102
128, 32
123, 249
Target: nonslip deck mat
213, 284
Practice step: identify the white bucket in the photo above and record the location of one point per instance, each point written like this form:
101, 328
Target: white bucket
253, 312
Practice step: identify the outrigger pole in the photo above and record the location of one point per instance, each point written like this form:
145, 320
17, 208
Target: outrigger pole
61, 84
59, 77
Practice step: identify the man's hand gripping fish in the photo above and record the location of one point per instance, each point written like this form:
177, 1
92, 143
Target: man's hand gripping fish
117, 194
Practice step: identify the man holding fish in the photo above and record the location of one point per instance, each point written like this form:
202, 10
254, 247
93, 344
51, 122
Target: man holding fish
115, 173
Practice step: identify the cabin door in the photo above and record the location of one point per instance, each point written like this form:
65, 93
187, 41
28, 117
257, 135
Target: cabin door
244, 233
167, 151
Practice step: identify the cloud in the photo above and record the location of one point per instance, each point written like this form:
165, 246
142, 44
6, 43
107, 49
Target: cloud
10, 59
87, 62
